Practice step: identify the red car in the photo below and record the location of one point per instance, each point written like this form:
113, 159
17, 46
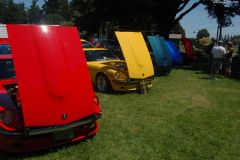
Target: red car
51, 100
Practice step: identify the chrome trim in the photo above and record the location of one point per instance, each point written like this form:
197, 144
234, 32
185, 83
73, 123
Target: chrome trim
33, 132
132, 81
124, 82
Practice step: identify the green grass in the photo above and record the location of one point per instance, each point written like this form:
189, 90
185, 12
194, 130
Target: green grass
185, 116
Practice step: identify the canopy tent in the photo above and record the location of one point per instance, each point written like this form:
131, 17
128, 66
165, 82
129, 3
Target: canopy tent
160, 55
174, 53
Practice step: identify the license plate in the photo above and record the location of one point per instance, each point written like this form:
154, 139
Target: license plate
143, 86
63, 135
143, 83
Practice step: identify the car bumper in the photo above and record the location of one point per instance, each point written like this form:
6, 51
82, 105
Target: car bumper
26, 143
131, 85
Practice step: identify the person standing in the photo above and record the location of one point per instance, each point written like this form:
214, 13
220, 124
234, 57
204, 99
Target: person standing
218, 53
228, 59
209, 53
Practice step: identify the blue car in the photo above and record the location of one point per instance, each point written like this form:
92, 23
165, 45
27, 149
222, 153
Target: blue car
160, 55
174, 53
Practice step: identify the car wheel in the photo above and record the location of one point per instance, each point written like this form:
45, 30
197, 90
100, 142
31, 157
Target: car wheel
103, 83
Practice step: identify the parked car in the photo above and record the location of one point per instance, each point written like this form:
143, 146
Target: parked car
109, 72
111, 45
7, 73
160, 55
174, 53
4, 46
51, 100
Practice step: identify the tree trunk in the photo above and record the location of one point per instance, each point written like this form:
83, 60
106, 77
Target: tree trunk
220, 32
217, 38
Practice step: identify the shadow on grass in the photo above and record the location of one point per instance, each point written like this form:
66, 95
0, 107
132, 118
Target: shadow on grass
39, 153
200, 66
211, 78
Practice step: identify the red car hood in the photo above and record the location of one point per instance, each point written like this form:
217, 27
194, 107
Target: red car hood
52, 74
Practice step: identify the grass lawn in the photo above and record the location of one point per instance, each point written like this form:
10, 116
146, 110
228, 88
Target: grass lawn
185, 116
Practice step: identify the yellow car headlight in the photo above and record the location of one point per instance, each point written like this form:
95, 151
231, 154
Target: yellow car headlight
117, 75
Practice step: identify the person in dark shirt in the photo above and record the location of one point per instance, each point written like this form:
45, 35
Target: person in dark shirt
209, 53
228, 59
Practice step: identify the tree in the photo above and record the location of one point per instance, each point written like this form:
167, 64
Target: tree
2, 10
223, 11
139, 15
205, 41
203, 33
11, 12
56, 11
178, 29
84, 14
34, 13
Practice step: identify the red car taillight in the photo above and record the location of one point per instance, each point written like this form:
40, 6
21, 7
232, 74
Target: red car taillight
8, 120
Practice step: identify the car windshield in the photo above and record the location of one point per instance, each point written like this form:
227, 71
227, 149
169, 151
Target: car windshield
6, 69
99, 55
86, 45
5, 49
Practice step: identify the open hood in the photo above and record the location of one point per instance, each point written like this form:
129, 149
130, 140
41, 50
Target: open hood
136, 54
52, 74
160, 51
188, 47
174, 52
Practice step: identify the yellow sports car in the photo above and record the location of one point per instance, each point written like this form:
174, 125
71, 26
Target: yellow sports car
109, 72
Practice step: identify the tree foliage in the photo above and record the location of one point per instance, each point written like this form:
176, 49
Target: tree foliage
11, 12
152, 15
223, 10
141, 15
205, 41
56, 11
203, 33
160, 16
34, 13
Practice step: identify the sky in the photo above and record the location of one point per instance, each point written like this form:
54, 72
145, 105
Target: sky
194, 21
198, 19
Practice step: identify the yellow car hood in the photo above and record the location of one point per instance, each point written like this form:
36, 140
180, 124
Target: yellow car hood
136, 54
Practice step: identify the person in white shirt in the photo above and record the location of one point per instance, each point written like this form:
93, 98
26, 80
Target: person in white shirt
218, 53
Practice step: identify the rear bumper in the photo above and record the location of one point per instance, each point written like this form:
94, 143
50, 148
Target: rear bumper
39, 131
36, 141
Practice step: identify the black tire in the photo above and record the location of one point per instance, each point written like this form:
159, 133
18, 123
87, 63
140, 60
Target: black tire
102, 83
